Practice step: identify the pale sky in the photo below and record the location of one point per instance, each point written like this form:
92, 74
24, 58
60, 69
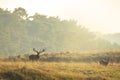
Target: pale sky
97, 15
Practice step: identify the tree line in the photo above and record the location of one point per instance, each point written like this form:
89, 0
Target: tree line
19, 33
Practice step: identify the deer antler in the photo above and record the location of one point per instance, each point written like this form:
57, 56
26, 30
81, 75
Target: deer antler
42, 51
35, 50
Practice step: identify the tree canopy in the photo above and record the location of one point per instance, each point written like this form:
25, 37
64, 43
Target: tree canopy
19, 33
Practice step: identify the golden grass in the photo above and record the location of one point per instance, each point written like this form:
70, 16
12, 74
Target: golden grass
60, 71
62, 66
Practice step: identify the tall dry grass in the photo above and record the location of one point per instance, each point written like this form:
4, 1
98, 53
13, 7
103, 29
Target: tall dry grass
62, 66
58, 71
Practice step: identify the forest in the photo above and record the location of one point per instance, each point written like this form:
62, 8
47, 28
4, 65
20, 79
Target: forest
19, 33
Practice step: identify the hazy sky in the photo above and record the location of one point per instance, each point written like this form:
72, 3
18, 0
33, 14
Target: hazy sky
97, 15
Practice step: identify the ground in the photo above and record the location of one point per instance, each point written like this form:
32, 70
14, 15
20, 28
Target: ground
58, 71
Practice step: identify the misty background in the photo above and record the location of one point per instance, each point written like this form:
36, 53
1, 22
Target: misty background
19, 33
97, 15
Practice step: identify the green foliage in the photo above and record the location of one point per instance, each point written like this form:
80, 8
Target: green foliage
19, 33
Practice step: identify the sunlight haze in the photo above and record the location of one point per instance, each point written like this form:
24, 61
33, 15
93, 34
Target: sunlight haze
97, 15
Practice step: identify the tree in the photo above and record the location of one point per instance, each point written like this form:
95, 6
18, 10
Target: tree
21, 12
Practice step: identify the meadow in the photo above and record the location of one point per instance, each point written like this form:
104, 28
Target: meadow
62, 66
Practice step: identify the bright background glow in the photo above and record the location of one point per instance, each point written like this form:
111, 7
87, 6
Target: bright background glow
97, 15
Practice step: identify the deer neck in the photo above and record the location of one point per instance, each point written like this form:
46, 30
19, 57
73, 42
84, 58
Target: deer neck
38, 54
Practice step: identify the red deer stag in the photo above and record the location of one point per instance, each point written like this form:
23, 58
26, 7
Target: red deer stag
35, 57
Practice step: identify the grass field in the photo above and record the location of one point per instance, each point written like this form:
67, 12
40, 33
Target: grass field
62, 66
58, 71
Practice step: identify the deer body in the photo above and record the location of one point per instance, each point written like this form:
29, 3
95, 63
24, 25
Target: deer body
35, 57
104, 62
